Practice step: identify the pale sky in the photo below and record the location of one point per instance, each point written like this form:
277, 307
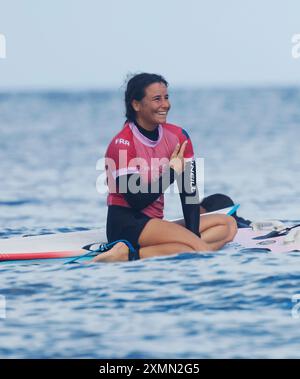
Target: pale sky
80, 44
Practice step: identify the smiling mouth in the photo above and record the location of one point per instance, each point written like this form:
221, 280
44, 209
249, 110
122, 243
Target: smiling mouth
162, 113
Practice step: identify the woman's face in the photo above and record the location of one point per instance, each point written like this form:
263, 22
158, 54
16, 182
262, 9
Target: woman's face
154, 107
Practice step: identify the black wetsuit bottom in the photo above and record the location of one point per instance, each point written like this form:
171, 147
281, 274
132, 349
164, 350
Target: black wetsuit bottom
125, 223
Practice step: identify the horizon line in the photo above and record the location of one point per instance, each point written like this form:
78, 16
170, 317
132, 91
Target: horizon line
176, 87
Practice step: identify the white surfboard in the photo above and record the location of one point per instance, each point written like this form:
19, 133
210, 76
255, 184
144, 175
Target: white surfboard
72, 244
246, 239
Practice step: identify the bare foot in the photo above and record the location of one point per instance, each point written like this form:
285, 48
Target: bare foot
116, 254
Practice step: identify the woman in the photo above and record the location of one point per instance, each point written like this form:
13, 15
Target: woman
142, 160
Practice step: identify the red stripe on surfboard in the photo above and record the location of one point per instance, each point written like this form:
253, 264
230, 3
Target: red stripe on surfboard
43, 255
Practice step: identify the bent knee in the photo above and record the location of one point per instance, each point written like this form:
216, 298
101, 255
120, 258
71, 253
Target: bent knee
232, 228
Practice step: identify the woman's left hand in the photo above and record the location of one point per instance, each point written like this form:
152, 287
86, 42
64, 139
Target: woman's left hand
177, 161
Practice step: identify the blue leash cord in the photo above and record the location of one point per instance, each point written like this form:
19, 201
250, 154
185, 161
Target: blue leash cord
133, 254
232, 210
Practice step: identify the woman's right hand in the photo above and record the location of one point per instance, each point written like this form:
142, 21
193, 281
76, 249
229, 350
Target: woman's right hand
177, 161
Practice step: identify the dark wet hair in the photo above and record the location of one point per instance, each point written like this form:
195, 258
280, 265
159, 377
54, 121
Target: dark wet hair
136, 90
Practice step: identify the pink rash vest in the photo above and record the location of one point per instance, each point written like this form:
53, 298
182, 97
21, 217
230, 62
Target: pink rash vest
130, 152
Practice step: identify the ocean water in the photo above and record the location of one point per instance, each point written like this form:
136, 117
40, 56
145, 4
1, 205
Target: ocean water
225, 304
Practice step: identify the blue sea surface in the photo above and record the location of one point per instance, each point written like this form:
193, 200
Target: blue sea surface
226, 304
